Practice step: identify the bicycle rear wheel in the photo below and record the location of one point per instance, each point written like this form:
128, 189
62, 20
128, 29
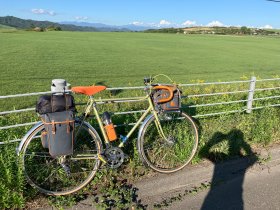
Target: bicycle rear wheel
64, 174
172, 149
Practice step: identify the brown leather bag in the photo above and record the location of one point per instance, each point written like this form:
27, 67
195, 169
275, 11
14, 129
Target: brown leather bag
173, 101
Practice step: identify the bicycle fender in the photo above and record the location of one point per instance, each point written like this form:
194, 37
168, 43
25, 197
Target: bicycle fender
19, 148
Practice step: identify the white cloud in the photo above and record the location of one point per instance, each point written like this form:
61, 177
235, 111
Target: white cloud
43, 12
215, 23
161, 24
152, 25
81, 18
137, 23
164, 22
189, 23
267, 27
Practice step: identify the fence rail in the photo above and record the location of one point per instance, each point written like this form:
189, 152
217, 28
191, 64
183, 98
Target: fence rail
249, 101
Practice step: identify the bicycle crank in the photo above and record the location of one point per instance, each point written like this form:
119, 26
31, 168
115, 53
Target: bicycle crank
114, 157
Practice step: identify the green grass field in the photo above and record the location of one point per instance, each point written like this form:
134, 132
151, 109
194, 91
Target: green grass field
7, 29
29, 60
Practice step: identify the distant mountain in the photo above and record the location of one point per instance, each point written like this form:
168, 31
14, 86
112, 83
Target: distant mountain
5, 27
19, 23
86, 24
28, 24
137, 28
99, 26
129, 27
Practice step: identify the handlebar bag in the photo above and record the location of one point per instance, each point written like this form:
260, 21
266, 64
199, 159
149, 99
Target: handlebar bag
59, 127
173, 104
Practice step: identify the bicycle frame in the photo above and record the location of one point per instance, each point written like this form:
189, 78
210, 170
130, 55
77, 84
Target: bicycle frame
151, 109
81, 165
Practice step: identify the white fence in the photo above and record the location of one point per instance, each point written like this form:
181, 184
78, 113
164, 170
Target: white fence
250, 91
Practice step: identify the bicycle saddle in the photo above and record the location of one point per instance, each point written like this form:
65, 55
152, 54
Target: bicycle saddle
88, 90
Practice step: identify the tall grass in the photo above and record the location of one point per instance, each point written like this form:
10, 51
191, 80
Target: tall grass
12, 182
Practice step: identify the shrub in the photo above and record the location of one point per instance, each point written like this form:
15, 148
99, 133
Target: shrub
11, 179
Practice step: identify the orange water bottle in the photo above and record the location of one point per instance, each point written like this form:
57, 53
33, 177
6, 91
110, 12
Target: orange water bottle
109, 126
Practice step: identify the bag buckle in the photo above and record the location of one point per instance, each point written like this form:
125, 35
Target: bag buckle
53, 127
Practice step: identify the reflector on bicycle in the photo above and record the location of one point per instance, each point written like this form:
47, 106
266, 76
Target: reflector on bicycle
88, 90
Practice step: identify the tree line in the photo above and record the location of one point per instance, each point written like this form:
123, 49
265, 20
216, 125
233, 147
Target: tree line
216, 30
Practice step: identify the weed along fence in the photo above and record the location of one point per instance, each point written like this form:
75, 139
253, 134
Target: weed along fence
199, 99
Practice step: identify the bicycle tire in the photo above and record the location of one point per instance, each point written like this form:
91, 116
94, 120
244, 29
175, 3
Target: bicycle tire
46, 173
181, 142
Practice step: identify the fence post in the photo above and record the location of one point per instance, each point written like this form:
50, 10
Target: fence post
251, 95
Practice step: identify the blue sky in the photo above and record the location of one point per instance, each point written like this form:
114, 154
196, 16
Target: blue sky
253, 13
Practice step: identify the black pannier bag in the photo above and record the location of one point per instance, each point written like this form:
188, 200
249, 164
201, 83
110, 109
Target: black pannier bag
57, 114
55, 103
59, 132
172, 105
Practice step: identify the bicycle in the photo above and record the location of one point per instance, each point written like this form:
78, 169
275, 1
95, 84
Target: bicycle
167, 141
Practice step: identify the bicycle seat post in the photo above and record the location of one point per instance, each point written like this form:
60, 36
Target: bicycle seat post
89, 105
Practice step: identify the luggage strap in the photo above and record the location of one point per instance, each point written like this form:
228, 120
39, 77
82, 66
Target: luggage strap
53, 127
53, 123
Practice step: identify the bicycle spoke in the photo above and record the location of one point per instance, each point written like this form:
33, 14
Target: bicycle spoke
65, 174
48, 177
178, 146
34, 155
161, 161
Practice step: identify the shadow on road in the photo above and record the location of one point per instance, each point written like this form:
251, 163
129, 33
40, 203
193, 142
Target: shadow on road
231, 195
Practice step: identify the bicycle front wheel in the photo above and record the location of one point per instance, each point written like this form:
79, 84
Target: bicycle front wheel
64, 174
171, 147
